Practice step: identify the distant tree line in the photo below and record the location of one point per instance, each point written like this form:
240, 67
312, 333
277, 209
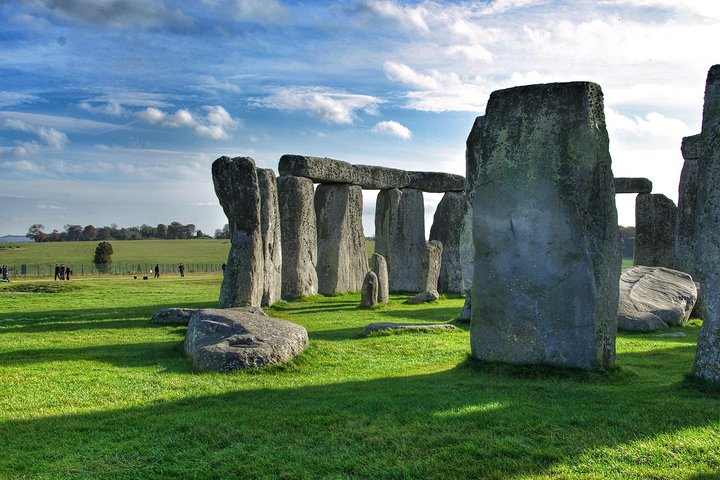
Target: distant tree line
74, 233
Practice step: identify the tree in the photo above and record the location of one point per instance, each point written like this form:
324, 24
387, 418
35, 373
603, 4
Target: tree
36, 233
224, 233
73, 232
103, 257
161, 230
89, 233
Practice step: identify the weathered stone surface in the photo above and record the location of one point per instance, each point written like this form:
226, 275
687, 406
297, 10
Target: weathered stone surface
654, 297
472, 153
437, 182
379, 266
447, 228
706, 249
467, 248
423, 297
342, 258
173, 316
221, 340
654, 230
465, 315
407, 327
237, 188
328, 170
632, 185
430, 266
400, 235
299, 236
271, 238
370, 287
691, 147
547, 245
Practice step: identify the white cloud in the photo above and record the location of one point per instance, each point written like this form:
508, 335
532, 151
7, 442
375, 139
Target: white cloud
152, 115
113, 108
11, 99
652, 128
259, 10
406, 75
20, 166
217, 123
213, 84
471, 52
330, 106
393, 128
403, 15
52, 137
56, 139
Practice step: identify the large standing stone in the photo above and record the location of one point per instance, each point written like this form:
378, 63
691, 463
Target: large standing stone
654, 230
447, 227
547, 245
230, 339
686, 221
379, 266
706, 249
272, 242
430, 266
236, 186
342, 258
400, 235
654, 297
299, 236
369, 292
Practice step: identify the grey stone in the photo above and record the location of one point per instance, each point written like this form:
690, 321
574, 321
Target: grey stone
400, 235
437, 182
299, 236
221, 340
547, 244
236, 186
654, 230
472, 153
691, 147
430, 266
423, 297
654, 297
172, 316
379, 266
272, 241
407, 327
706, 249
370, 287
342, 258
632, 185
447, 228
467, 248
465, 315
371, 177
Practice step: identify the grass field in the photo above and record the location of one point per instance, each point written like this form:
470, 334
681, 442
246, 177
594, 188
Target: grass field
90, 389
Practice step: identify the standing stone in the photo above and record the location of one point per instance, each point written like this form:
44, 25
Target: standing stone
467, 248
430, 266
400, 235
706, 248
379, 266
299, 236
237, 188
270, 228
369, 292
342, 258
447, 228
547, 245
654, 230
685, 223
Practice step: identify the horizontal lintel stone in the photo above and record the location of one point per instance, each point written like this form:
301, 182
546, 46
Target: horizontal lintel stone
632, 185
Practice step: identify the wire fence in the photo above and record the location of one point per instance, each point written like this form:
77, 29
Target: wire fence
144, 269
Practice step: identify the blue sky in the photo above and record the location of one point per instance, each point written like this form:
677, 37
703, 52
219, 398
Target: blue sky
112, 111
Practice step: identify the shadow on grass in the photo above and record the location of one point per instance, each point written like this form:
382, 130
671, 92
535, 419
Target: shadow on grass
468, 422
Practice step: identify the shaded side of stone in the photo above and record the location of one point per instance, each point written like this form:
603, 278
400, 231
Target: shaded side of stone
632, 185
547, 245
655, 216
222, 340
467, 248
430, 265
423, 297
686, 221
342, 259
400, 235
379, 266
271, 237
472, 152
447, 228
707, 233
299, 236
465, 314
237, 188
437, 182
172, 316
691, 147
369, 292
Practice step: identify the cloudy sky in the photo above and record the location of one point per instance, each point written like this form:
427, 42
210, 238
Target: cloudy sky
112, 111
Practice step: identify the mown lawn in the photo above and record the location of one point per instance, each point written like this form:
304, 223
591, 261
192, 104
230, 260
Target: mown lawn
90, 389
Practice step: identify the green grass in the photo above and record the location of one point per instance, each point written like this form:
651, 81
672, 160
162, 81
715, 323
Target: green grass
90, 389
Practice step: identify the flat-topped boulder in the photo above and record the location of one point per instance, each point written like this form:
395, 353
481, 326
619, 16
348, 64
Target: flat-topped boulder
173, 316
652, 298
221, 340
369, 177
407, 327
632, 185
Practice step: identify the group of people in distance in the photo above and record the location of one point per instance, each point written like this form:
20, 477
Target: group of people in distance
62, 272
4, 270
181, 269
